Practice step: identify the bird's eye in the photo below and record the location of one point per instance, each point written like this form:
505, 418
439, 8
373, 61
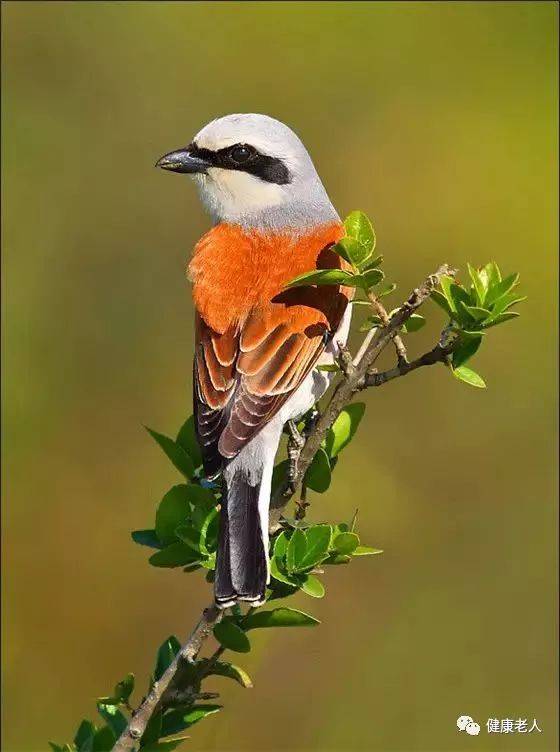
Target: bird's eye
241, 154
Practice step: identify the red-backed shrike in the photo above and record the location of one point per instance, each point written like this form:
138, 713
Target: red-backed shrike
257, 343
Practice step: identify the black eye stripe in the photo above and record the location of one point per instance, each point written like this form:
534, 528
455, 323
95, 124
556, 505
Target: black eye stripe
269, 169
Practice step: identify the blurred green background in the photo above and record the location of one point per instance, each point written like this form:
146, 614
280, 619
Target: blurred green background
438, 120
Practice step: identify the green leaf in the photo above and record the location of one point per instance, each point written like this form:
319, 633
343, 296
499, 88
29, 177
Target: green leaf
359, 228
175, 453
469, 377
351, 250
190, 536
372, 263
166, 655
492, 274
441, 300
198, 712
386, 290
370, 323
460, 295
279, 617
178, 720
55, 747
124, 688
337, 559
232, 672
277, 571
113, 717
502, 288
342, 527
413, 323
317, 539
366, 551
281, 545
231, 636
346, 543
463, 316
369, 279
176, 555
322, 277
342, 431
146, 538
295, 551
328, 368
445, 283
466, 334
209, 532
84, 736
479, 283
186, 438
500, 318
104, 739
202, 500
313, 586
318, 475
477, 313
341, 251
505, 302
173, 510
466, 350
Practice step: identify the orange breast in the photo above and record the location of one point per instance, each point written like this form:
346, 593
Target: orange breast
235, 271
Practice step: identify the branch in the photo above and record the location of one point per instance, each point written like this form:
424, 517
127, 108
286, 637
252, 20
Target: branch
439, 354
360, 377
133, 732
358, 374
379, 308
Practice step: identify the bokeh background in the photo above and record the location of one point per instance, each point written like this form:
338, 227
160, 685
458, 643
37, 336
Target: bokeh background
437, 119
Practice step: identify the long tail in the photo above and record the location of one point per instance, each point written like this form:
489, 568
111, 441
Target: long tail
242, 569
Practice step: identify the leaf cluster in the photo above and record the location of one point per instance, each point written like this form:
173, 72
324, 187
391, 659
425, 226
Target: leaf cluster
298, 555
186, 524
485, 302
357, 248
162, 733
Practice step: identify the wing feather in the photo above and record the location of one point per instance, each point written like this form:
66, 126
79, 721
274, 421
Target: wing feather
245, 371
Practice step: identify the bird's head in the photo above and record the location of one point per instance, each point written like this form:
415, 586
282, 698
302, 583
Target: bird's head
253, 170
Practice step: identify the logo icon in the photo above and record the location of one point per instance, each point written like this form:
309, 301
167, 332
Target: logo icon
466, 723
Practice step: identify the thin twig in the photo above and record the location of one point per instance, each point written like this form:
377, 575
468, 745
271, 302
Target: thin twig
133, 732
438, 354
379, 309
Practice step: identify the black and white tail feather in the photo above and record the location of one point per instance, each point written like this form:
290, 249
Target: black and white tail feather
241, 564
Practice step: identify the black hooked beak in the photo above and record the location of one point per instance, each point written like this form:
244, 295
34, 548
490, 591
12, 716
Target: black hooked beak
183, 161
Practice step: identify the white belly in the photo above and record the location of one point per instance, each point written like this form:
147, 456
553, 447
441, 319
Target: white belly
317, 382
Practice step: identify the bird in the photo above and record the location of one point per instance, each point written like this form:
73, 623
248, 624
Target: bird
257, 342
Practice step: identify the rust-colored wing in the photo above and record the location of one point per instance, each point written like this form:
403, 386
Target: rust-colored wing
245, 373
